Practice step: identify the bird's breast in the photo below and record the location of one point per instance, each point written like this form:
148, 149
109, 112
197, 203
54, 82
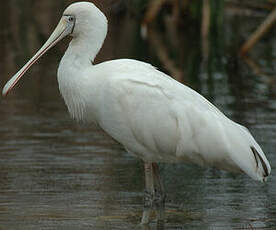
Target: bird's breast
76, 90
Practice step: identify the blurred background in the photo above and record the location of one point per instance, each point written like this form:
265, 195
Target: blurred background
58, 174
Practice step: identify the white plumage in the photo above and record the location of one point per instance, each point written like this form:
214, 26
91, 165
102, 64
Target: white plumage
152, 115
157, 118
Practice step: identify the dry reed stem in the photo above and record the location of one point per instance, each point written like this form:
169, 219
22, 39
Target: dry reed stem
261, 30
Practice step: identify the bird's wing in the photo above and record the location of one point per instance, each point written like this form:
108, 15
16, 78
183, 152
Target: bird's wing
156, 116
159, 119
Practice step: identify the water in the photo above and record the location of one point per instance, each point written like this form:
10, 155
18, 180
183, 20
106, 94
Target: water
57, 174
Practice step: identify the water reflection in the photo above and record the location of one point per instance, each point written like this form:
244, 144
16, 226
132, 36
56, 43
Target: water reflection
57, 174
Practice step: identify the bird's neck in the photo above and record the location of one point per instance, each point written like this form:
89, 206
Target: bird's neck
74, 72
83, 50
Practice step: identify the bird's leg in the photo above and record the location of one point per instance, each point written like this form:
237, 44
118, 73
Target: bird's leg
159, 197
154, 195
149, 192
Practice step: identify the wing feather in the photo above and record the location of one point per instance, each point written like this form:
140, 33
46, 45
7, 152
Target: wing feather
160, 119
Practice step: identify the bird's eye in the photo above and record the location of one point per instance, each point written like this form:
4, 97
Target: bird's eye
71, 18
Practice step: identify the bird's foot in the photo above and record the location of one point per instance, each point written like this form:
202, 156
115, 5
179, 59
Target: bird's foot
154, 200
148, 200
159, 199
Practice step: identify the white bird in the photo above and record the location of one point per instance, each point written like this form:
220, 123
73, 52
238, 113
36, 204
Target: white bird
152, 115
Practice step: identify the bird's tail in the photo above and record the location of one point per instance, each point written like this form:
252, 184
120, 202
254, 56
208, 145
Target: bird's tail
250, 158
263, 168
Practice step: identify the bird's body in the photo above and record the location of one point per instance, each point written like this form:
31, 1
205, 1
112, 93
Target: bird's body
155, 117
152, 115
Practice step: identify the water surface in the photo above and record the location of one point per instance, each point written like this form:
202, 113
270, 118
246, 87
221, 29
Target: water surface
58, 174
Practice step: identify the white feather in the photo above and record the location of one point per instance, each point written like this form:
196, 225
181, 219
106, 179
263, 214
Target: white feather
149, 113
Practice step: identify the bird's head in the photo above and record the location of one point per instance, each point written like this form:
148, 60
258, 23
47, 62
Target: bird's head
85, 18
80, 19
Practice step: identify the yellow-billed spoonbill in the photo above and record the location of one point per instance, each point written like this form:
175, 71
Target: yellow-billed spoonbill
152, 115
